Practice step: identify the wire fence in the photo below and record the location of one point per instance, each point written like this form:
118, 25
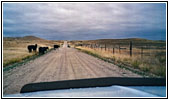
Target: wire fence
130, 48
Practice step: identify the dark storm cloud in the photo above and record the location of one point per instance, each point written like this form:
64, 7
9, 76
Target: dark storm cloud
85, 20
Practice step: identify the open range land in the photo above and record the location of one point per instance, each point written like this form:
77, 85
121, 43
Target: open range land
60, 64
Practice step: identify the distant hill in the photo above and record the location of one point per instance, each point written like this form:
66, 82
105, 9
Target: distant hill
31, 38
139, 40
125, 42
125, 39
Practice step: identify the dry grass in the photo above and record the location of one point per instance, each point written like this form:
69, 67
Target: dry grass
15, 50
12, 55
153, 61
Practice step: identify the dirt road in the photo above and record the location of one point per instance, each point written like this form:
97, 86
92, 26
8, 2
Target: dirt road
62, 64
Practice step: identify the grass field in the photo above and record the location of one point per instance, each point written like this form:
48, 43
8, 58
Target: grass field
153, 59
15, 49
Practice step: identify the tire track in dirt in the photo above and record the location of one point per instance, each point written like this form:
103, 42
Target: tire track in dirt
46, 74
109, 68
72, 73
63, 70
87, 66
95, 67
79, 69
59, 69
104, 70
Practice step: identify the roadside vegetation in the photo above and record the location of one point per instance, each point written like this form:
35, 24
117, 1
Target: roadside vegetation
151, 63
153, 66
15, 49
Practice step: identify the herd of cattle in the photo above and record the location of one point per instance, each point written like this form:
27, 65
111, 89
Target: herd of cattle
42, 50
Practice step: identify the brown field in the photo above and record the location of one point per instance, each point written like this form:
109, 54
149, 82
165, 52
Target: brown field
152, 60
15, 49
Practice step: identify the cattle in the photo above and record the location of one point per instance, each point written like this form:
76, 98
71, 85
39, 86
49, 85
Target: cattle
42, 50
56, 46
32, 47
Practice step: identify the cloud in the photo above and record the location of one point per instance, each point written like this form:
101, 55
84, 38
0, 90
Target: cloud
84, 20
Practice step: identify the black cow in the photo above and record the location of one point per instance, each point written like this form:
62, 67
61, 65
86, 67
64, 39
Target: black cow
32, 47
42, 50
56, 46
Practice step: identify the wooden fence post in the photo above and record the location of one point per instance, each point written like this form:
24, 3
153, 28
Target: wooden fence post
130, 48
95, 46
105, 47
113, 50
141, 51
119, 48
98, 46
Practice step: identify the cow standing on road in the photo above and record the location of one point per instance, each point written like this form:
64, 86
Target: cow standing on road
56, 46
68, 46
42, 50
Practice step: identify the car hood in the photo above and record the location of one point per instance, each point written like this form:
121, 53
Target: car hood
111, 91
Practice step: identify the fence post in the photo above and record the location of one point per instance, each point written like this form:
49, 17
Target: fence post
113, 50
130, 48
98, 46
95, 46
119, 48
105, 47
141, 51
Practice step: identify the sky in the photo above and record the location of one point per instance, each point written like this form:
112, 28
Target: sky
85, 21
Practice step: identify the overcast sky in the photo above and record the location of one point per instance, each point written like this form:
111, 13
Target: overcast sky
84, 21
